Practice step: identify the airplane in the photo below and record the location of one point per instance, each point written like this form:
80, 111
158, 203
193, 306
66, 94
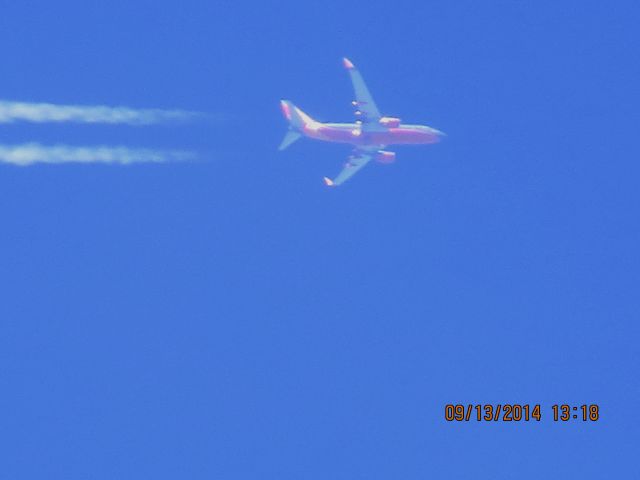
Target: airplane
370, 134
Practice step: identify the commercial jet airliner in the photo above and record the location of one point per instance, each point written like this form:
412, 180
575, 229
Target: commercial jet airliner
370, 134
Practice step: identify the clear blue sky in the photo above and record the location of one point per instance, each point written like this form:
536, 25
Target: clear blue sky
234, 319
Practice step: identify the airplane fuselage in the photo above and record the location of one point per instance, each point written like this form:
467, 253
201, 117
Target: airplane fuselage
352, 134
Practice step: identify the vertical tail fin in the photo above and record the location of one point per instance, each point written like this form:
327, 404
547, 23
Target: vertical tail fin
297, 119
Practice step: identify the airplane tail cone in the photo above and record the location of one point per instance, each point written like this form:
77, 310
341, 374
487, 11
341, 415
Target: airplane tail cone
289, 137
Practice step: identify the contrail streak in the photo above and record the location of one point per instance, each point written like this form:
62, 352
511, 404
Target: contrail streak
32, 153
11, 112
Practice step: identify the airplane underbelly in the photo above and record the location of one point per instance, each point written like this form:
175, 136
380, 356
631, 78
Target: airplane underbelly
389, 137
338, 136
355, 137
403, 136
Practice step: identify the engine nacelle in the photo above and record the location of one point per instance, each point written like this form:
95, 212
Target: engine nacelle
390, 122
382, 156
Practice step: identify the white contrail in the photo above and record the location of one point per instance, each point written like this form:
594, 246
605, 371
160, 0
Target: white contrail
11, 112
31, 153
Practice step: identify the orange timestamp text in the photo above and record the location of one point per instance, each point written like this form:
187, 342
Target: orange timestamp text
515, 412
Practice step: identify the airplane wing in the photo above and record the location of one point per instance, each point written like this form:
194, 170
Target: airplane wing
356, 161
366, 108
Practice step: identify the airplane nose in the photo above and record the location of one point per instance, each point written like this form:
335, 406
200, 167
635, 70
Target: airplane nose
435, 135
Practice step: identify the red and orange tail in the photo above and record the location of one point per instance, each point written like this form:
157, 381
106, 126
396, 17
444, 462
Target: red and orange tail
296, 117
297, 121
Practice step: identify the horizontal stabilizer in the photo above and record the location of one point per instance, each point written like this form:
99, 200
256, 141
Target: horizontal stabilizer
290, 137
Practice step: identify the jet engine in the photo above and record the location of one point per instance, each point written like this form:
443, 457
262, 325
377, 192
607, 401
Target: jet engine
383, 156
390, 122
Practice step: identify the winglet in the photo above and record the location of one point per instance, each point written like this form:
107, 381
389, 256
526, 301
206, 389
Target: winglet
347, 64
328, 182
